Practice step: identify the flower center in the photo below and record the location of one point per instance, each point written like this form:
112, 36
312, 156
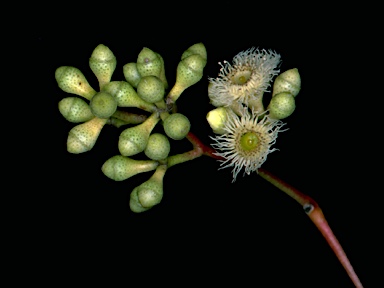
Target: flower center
241, 77
249, 141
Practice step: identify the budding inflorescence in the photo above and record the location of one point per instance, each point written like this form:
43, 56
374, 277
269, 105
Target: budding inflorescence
144, 88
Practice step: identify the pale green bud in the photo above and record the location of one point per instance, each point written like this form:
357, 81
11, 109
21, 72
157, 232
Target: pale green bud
149, 193
126, 96
197, 48
131, 74
288, 81
158, 147
162, 76
82, 137
71, 80
120, 168
103, 64
176, 126
151, 89
281, 106
75, 109
148, 63
217, 119
133, 140
189, 72
103, 105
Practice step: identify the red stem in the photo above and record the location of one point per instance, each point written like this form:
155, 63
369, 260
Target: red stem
311, 208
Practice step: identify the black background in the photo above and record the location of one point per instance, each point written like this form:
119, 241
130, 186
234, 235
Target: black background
207, 229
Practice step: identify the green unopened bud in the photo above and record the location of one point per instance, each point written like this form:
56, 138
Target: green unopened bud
120, 168
133, 140
71, 80
189, 72
82, 137
75, 109
197, 48
131, 74
149, 193
217, 119
151, 89
103, 105
177, 126
148, 63
162, 76
158, 147
103, 64
126, 96
281, 106
288, 81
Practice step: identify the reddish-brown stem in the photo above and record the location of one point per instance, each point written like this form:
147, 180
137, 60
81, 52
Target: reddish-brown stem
310, 207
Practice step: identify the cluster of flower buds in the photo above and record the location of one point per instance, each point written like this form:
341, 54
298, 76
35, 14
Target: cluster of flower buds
145, 88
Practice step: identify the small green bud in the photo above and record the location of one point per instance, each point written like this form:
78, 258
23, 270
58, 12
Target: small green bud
131, 74
197, 48
75, 109
281, 106
71, 80
126, 96
288, 81
148, 63
133, 140
217, 119
120, 168
158, 147
103, 105
189, 72
177, 126
149, 193
103, 64
162, 76
151, 89
82, 137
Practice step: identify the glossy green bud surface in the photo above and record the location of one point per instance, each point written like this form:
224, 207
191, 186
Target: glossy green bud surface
103, 105
103, 64
75, 109
177, 126
158, 147
71, 80
281, 106
151, 89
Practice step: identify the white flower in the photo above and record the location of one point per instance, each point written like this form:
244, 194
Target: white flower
247, 141
246, 79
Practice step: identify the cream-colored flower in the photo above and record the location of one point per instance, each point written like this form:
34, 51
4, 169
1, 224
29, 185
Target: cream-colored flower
247, 141
246, 79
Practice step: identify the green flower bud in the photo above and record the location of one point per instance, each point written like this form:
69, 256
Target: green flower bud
162, 76
126, 96
133, 140
149, 193
158, 147
103, 105
120, 168
131, 74
217, 119
75, 109
148, 63
176, 126
197, 48
82, 137
189, 72
281, 106
151, 89
288, 81
71, 80
103, 64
